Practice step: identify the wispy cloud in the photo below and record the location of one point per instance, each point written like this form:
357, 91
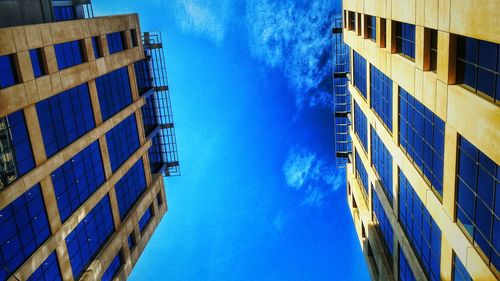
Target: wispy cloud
294, 37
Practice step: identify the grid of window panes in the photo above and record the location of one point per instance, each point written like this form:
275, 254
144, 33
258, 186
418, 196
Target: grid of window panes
15, 145
116, 42
113, 90
96, 46
155, 152
150, 116
77, 179
113, 268
382, 161
381, 96
361, 173
69, 54
88, 237
65, 117
24, 227
48, 270
359, 65
123, 141
63, 13
143, 76
8, 74
361, 126
478, 199
145, 219
37, 62
478, 66
371, 27
421, 135
405, 39
405, 273
459, 271
130, 187
420, 228
383, 225
433, 49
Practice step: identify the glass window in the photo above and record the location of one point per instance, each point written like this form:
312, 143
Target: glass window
382, 161
24, 227
352, 20
420, 228
361, 126
116, 42
371, 27
130, 187
113, 268
48, 270
65, 117
361, 173
381, 96
478, 67
96, 45
433, 50
459, 271
405, 39
421, 135
384, 226
37, 62
360, 73
123, 140
156, 153
150, 116
133, 35
131, 241
8, 73
69, 54
145, 219
142, 70
405, 273
113, 90
88, 237
77, 179
478, 199
63, 13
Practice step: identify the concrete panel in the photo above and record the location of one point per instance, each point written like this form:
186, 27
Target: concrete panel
470, 18
404, 11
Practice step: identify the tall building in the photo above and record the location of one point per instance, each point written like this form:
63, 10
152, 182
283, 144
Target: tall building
86, 138
423, 182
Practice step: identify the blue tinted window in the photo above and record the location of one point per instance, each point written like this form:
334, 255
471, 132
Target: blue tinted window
405, 39
8, 74
478, 199
459, 271
359, 73
420, 228
37, 62
116, 42
421, 135
477, 66
381, 96
383, 226
361, 126
130, 187
150, 114
371, 26
156, 153
143, 76
145, 219
69, 54
24, 227
88, 237
405, 273
65, 117
113, 268
113, 90
48, 270
361, 173
96, 46
382, 161
63, 13
77, 179
131, 241
123, 140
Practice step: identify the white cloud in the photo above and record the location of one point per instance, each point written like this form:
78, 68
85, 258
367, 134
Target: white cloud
279, 222
297, 167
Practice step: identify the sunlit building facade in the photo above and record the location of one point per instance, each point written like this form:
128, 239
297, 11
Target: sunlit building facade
423, 183
86, 138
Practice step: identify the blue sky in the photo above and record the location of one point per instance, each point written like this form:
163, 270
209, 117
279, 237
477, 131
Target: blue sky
259, 197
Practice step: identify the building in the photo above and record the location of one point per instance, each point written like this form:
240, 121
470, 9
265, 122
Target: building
423, 182
86, 138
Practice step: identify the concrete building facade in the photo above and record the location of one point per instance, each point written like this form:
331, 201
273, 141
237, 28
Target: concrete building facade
423, 183
86, 138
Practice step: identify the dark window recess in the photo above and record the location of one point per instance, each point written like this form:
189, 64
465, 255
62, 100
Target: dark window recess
37, 62
131, 241
478, 66
145, 219
69, 54
360, 73
133, 36
113, 91
113, 268
371, 27
48, 270
15, 148
383, 226
405, 39
63, 13
433, 50
130, 188
24, 227
8, 73
123, 141
352, 20
159, 199
96, 44
116, 42
382, 161
143, 76
65, 117
381, 96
